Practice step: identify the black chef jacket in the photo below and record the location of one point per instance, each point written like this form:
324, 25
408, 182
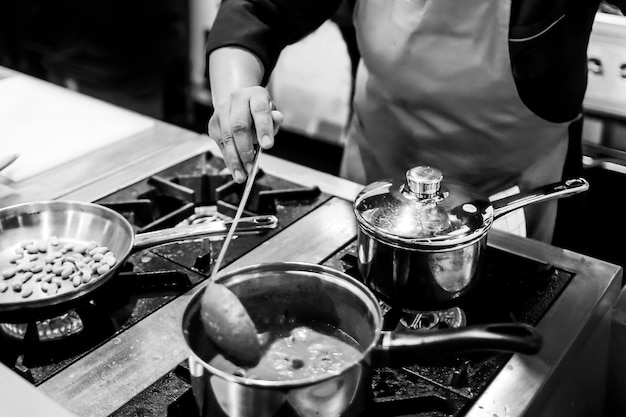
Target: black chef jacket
547, 42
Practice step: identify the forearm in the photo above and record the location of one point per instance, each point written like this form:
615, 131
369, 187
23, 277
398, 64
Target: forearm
243, 112
230, 69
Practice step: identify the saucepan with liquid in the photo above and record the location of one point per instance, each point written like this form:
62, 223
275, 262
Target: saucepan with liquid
321, 331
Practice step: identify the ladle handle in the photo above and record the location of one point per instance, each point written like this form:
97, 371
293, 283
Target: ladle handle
414, 346
246, 225
242, 204
553, 191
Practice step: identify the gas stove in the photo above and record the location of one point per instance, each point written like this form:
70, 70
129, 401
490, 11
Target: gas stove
196, 191
440, 387
129, 359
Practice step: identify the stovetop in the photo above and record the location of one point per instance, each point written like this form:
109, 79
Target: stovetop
514, 289
196, 190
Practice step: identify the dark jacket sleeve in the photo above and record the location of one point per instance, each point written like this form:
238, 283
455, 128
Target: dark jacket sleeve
265, 27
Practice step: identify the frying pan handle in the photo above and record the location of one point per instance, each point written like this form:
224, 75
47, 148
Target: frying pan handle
412, 345
246, 225
553, 191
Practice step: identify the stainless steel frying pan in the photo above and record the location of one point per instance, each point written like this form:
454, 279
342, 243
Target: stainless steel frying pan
77, 222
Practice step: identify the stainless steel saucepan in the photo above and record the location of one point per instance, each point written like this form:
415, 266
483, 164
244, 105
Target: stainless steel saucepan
57, 224
309, 294
422, 240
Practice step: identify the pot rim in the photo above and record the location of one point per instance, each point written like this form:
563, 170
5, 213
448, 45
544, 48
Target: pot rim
457, 212
433, 245
337, 276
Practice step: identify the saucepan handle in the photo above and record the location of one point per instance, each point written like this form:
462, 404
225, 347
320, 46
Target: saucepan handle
548, 192
406, 346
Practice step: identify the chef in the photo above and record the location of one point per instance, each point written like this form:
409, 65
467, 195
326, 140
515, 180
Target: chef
488, 91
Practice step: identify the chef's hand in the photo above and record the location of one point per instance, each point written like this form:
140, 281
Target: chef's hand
246, 117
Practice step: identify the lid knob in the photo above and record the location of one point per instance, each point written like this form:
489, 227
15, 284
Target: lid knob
424, 181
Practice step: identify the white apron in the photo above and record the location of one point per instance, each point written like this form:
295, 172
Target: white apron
435, 87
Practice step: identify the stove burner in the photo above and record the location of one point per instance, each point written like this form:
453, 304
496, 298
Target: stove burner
52, 329
428, 320
396, 318
204, 214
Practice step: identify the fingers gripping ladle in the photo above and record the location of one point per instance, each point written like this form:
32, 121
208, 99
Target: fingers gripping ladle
225, 320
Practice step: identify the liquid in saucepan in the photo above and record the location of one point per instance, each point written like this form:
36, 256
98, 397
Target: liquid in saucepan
303, 352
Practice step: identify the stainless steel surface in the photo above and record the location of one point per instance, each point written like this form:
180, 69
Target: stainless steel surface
422, 211
20, 399
424, 181
118, 164
420, 280
128, 160
563, 189
567, 378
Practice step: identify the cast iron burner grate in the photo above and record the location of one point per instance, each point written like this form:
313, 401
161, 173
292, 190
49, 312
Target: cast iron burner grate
172, 199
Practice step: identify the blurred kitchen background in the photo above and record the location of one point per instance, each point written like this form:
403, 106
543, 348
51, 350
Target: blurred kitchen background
147, 56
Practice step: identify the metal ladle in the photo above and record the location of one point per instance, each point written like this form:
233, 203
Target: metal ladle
225, 320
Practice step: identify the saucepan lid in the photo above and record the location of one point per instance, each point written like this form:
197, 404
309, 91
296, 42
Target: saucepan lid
423, 210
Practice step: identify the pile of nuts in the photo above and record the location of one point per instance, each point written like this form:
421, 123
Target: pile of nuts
52, 266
